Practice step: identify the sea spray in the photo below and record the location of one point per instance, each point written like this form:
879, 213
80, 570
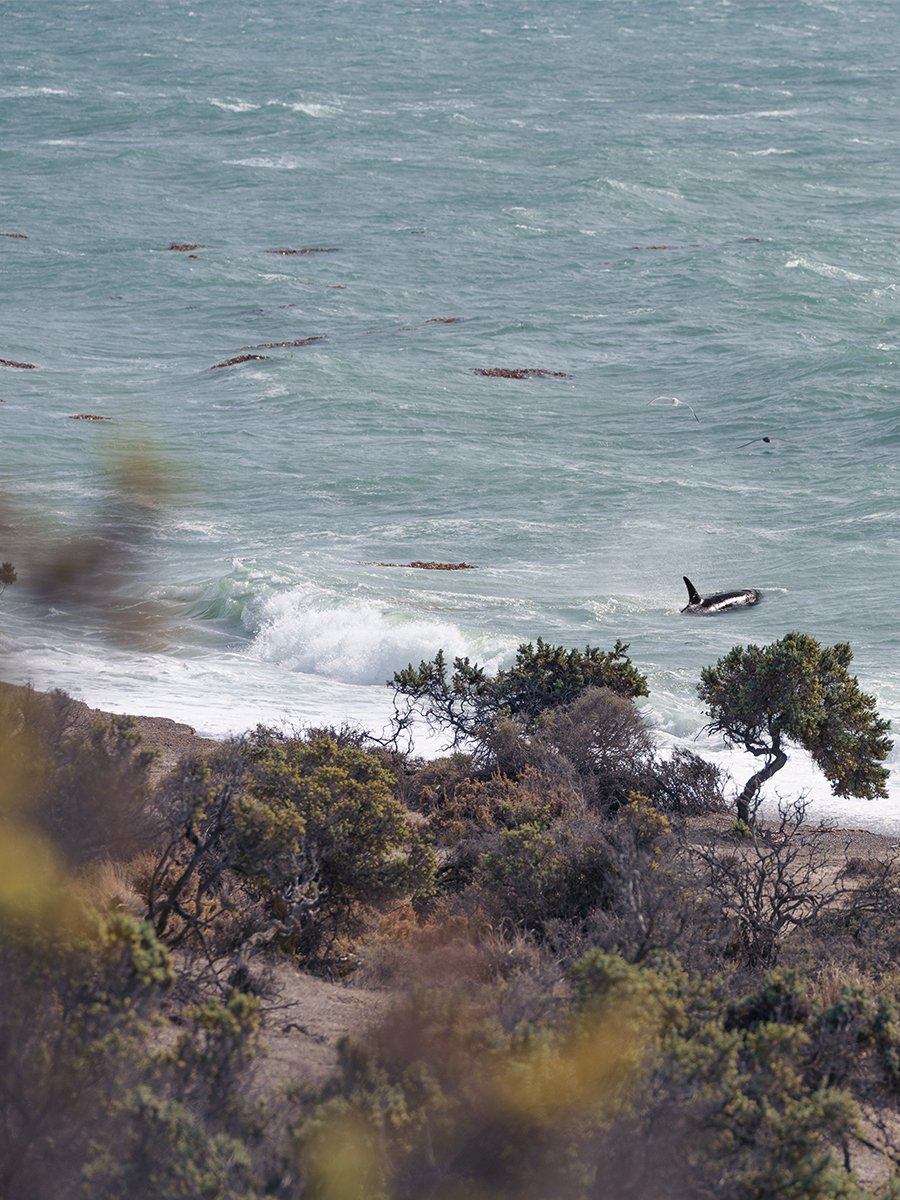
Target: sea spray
359, 643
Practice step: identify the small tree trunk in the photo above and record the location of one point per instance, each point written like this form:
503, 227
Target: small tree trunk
776, 760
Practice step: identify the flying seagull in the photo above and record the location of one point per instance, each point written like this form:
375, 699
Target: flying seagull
765, 439
674, 401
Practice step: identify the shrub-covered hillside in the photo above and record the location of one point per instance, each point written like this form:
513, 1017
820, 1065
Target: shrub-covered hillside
571, 972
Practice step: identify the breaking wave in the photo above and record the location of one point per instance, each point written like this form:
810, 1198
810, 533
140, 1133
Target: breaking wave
359, 643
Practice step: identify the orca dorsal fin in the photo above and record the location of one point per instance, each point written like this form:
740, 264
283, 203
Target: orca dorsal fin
693, 594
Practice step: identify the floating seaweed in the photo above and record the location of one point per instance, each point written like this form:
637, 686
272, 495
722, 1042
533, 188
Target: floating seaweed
307, 341
690, 246
428, 566
185, 246
520, 373
443, 320
307, 250
240, 358
88, 417
9, 362
22, 236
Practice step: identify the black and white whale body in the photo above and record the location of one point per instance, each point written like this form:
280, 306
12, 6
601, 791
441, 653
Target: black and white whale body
720, 602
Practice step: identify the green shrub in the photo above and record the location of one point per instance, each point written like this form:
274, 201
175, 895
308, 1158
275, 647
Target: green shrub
427, 786
169, 1154
298, 836
468, 703
782, 997
536, 874
478, 806
351, 843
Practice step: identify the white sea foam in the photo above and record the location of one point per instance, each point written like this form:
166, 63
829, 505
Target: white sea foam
238, 106
765, 114
828, 270
306, 107
356, 643
280, 162
23, 91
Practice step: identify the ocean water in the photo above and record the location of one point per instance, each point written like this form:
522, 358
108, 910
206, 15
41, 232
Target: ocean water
691, 200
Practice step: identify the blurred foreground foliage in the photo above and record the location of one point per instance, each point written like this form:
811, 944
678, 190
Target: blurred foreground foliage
649, 1083
88, 566
595, 984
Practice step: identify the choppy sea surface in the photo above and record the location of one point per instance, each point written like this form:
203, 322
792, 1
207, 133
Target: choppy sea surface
642, 199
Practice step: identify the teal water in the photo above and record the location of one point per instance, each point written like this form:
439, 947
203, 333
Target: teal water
656, 200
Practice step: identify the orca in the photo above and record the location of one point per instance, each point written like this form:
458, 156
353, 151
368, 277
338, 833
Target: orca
720, 601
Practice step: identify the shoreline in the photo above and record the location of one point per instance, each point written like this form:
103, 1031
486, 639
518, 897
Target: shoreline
171, 740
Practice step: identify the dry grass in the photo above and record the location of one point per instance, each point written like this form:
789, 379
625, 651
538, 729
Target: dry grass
108, 887
834, 978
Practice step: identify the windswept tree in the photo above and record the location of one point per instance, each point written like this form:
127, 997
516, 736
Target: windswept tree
795, 691
467, 702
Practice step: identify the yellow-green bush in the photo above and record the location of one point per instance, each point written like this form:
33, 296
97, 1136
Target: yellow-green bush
306, 834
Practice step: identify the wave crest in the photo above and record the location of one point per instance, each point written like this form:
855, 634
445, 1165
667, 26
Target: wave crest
356, 643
